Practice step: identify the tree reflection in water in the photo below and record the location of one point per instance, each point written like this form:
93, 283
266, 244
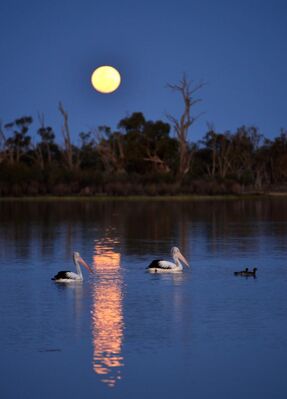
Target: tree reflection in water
107, 312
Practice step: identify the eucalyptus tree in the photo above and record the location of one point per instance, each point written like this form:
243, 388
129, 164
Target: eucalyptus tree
147, 145
219, 151
19, 142
246, 165
182, 124
278, 158
47, 150
2, 144
131, 129
70, 153
110, 150
161, 151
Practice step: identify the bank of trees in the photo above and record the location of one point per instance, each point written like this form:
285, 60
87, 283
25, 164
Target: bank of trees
139, 157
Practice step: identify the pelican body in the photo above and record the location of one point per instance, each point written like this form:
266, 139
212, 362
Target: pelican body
67, 276
164, 266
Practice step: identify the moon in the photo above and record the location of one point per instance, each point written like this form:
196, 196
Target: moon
106, 79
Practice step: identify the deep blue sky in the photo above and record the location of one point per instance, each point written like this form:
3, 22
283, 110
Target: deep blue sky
49, 50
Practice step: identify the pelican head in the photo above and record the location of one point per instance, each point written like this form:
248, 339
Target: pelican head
176, 254
78, 259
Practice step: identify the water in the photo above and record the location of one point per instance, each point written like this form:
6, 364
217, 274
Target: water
124, 333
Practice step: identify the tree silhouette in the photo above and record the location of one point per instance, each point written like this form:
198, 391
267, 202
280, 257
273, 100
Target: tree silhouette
18, 144
140, 157
181, 125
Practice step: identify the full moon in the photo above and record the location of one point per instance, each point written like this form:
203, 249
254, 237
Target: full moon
106, 79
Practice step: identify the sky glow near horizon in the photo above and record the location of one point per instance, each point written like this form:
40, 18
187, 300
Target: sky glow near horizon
50, 49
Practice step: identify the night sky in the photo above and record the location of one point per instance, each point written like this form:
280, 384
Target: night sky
239, 48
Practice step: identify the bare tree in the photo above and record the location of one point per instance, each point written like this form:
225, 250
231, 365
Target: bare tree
182, 125
68, 147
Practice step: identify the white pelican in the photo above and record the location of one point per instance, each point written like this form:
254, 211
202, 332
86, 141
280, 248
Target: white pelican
161, 266
67, 277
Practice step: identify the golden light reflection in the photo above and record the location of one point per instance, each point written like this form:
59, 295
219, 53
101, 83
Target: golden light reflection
107, 313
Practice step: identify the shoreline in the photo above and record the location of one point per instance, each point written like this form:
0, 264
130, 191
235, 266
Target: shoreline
148, 198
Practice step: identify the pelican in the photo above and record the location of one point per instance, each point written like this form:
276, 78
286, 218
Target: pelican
163, 266
67, 277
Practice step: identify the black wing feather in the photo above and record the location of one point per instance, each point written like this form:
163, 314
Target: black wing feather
61, 275
154, 264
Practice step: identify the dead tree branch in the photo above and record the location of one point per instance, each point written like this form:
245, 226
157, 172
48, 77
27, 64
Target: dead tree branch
68, 148
181, 125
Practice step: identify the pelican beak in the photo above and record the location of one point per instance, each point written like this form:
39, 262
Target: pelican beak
181, 257
81, 260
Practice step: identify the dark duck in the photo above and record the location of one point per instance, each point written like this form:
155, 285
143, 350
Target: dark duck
246, 272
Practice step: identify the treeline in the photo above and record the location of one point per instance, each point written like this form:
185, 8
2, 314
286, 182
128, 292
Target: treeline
141, 157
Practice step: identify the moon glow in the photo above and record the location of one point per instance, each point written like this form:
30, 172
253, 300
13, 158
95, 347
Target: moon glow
106, 79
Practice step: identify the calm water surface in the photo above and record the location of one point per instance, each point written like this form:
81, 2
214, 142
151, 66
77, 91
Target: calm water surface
124, 333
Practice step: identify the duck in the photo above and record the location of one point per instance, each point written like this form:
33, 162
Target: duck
246, 272
241, 273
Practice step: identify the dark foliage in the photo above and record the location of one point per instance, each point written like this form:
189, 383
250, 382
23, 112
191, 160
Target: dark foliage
139, 158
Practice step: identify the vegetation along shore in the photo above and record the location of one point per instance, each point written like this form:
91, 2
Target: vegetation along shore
140, 158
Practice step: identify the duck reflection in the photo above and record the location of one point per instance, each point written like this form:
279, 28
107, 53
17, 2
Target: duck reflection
107, 313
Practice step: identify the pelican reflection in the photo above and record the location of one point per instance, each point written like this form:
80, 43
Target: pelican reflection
107, 313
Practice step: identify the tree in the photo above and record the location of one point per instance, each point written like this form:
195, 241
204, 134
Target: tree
186, 120
219, 147
18, 144
160, 150
2, 144
47, 148
246, 163
70, 156
111, 151
147, 145
133, 143
278, 152
210, 151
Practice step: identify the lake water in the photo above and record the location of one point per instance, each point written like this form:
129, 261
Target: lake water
124, 333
